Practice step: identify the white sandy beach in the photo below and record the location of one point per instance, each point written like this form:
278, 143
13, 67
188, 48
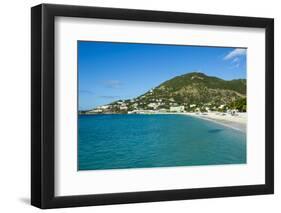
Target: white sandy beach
238, 121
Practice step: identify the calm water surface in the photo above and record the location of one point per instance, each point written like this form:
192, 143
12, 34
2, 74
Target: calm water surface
144, 141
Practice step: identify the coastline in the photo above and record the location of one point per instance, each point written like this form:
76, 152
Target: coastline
237, 122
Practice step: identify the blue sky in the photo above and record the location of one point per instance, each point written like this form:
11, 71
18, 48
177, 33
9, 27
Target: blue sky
110, 71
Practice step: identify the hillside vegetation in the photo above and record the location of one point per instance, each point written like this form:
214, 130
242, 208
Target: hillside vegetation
194, 91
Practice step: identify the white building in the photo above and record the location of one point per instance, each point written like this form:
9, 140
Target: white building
153, 105
177, 109
104, 107
221, 106
123, 107
95, 111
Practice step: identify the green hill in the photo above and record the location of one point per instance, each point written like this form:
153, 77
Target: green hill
193, 91
200, 79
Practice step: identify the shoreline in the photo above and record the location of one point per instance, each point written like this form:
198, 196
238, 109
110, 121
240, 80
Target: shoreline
237, 122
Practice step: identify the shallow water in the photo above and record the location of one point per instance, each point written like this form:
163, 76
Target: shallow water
145, 141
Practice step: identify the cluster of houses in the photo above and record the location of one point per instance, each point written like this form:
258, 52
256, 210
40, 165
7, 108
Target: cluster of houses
139, 107
149, 105
161, 110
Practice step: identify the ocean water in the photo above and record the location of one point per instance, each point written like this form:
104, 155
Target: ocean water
145, 141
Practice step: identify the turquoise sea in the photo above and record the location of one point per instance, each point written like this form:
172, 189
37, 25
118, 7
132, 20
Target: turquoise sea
145, 141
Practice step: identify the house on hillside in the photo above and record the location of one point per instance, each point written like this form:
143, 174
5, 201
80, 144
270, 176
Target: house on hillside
177, 109
123, 107
221, 106
95, 111
104, 107
153, 105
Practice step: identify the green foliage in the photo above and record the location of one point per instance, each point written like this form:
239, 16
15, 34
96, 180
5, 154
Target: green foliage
197, 78
191, 89
240, 105
199, 89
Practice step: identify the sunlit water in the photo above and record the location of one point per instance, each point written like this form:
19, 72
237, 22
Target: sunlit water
145, 141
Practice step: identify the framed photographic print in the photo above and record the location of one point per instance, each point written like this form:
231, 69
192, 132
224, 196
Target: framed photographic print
139, 106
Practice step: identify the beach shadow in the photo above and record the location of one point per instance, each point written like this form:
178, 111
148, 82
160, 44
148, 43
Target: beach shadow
215, 130
25, 200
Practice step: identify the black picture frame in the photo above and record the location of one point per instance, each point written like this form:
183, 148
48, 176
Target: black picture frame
43, 101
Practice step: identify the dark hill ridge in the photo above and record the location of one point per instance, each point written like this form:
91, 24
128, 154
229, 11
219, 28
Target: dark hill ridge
192, 90
197, 78
199, 89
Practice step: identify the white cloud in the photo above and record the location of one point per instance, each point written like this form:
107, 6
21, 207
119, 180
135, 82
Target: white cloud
235, 60
235, 53
84, 91
236, 65
114, 84
108, 96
